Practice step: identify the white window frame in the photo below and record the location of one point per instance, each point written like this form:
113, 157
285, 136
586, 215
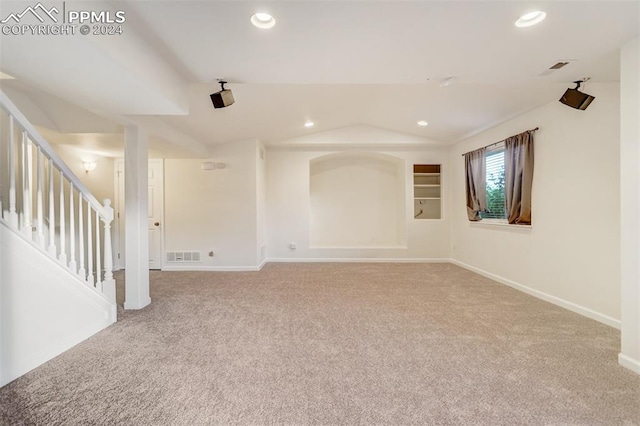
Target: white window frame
491, 151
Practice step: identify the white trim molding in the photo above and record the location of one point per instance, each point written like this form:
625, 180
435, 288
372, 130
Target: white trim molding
589, 313
628, 362
357, 260
193, 268
502, 225
264, 262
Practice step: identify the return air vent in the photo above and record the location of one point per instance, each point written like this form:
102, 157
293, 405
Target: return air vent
183, 256
558, 65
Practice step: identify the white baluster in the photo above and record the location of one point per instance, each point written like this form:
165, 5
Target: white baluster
109, 284
89, 248
40, 200
72, 231
98, 260
52, 214
81, 272
13, 216
27, 227
21, 175
63, 235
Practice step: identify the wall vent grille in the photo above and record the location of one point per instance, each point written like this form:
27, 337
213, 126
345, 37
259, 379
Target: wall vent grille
183, 256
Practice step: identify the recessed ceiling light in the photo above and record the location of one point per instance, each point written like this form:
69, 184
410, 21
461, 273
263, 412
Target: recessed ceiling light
263, 20
309, 124
530, 19
423, 123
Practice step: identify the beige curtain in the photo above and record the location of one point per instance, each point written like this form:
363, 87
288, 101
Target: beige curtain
476, 173
518, 164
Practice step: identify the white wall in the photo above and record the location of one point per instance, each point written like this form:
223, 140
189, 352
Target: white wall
98, 181
630, 204
288, 197
43, 309
571, 254
214, 210
357, 199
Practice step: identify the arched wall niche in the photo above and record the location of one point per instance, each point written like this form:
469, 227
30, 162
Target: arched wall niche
357, 201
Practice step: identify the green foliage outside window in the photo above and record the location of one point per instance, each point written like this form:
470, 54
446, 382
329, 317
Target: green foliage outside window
496, 208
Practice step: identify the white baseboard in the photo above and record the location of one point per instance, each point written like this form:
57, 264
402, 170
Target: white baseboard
357, 260
589, 313
630, 363
142, 304
194, 268
264, 262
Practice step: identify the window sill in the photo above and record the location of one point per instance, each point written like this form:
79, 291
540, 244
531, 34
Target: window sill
360, 247
498, 224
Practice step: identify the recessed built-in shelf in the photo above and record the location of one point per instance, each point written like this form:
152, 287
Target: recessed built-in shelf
427, 196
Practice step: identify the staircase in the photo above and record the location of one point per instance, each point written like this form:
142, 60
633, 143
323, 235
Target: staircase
56, 268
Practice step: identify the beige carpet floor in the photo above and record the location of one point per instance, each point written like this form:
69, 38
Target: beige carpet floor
334, 344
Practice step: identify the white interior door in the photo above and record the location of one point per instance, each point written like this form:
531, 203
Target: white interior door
156, 203
155, 208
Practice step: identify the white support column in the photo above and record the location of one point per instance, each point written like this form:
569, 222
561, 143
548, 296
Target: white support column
136, 218
630, 204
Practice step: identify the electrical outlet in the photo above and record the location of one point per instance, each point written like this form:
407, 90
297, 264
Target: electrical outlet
211, 253
292, 246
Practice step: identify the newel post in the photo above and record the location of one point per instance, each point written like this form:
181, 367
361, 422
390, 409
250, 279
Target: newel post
108, 284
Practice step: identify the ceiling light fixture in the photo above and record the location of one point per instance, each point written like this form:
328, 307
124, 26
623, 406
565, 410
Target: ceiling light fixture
309, 124
263, 20
530, 19
423, 123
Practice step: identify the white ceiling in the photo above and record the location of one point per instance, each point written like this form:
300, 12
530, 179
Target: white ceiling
337, 63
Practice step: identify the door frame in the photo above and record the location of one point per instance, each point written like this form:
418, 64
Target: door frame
118, 215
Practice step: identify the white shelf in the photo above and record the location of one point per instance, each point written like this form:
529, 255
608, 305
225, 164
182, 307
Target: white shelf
427, 192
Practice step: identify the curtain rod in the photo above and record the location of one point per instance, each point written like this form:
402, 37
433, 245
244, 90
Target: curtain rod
496, 143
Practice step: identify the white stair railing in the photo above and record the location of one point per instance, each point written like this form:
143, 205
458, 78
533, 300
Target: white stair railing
32, 174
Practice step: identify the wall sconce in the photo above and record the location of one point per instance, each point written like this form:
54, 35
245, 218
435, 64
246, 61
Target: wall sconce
89, 166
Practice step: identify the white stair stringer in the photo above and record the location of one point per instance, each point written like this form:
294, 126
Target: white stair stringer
45, 309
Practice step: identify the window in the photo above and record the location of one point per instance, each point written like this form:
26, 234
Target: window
496, 208
489, 193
